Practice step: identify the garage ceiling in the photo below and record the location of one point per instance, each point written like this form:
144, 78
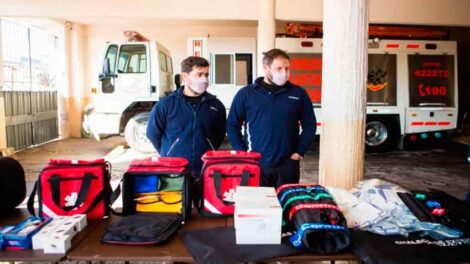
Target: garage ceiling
411, 12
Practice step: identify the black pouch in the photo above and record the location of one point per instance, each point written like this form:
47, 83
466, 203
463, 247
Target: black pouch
457, 212
318, 224
12, 184
142, 229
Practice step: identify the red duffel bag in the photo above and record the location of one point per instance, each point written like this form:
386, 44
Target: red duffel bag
68, 187
222, 172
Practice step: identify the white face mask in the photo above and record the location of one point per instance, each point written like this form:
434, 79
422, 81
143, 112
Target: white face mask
278, 78
199, 85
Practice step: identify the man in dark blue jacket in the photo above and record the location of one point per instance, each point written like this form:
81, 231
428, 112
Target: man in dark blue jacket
190, 121
272, 110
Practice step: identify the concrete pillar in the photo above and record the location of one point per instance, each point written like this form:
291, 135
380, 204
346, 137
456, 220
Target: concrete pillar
266, 30
345, 27
65, 90
3, 132
71, 99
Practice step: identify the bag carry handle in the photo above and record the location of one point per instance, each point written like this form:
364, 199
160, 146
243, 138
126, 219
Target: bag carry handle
84, 188
55, 195
217, 184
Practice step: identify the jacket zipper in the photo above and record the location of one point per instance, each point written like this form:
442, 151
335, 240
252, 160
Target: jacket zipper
212, 146
193, 145
172, 146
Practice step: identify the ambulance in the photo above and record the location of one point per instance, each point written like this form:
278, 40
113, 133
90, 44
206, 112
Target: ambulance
411, 87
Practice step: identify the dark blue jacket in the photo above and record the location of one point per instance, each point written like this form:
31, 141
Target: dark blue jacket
271, 122
176, 129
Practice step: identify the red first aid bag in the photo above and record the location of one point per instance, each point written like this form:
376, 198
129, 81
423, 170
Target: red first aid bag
222, 172
68, 187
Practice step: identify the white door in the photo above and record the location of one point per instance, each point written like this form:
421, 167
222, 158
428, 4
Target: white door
229, 73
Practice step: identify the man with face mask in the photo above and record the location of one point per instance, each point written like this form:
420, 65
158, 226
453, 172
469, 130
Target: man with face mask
271, 111
190, 121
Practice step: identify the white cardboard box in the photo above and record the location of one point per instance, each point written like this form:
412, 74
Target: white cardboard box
58, 244
61, 226
39, 239
266, 194
80, 220
248, 192
68, 228
258, 221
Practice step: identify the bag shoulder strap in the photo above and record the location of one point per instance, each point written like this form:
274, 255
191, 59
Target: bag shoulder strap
31, 199
114, 196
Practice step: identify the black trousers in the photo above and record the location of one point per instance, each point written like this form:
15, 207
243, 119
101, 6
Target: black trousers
286, 172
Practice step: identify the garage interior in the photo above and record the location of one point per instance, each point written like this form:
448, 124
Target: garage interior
52, 60
52, 107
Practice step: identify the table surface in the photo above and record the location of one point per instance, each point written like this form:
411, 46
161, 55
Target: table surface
91, 248
87, 246
344, 256
18, 215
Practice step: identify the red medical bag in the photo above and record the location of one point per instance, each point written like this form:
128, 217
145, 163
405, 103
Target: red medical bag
222, 172
68, 187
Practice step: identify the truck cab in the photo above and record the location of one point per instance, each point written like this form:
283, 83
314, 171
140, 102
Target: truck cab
135, 75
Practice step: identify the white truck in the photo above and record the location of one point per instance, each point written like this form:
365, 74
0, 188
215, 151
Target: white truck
411, 87
135, 75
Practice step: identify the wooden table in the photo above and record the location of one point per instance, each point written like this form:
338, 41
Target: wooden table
18, 215
87, 246
91, 248
344, 256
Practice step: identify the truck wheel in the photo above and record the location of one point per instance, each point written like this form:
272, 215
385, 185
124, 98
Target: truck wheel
136, 133
382, 134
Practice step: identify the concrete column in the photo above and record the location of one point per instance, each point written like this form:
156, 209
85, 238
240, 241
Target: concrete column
3, 132
65, 91
345, 27
266, 30
71, 100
